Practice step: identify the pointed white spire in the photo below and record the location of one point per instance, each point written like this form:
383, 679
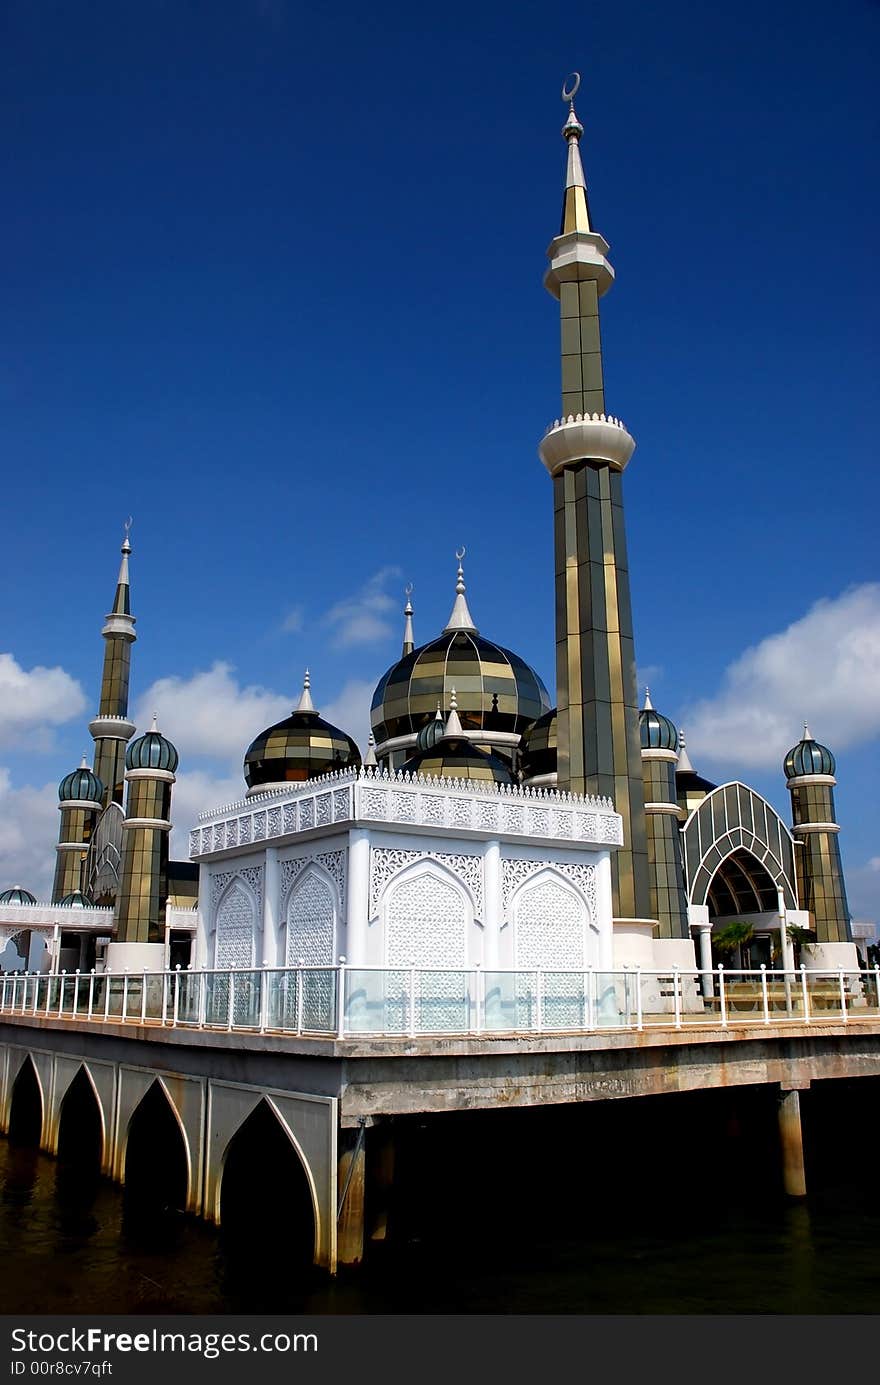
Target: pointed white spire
409, 642
453, 722
808, 736
84, 764
305, 703
684, 765
155, 725
460, 618
370, 757
575, 211
648, 705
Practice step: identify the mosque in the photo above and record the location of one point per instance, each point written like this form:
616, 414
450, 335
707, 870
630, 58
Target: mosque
486, 823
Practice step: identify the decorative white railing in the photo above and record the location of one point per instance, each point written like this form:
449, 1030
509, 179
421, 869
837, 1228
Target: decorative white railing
351, 1002
48, 915
368, 796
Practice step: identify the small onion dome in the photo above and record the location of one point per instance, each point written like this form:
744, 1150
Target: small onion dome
76, 900
303, 746
656, 731
538, 747
17, 896
81, 784
152, 751
454, 757
433, 732
808, 757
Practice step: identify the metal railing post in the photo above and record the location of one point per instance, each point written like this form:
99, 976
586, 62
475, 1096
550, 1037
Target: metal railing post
230, 1008
61, 994
144, 998
264, 998
340, 1000
676, 994
299, 1000
176, 1006
202, 1008
37, 994
806, 995
411, 1024
539, 1001
639, 1016
844, 1011
165, 976
107, 976
765, 997
125, 995
877, 985
480, 994
91, 993
722, 998
591, 1009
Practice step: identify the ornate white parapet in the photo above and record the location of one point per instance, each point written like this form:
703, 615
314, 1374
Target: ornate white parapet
14, 918
416, 803
111, 728
586, 437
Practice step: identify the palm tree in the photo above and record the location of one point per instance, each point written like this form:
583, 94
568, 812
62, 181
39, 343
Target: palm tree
730, 940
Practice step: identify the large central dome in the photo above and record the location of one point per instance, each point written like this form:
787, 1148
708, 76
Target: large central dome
498, 694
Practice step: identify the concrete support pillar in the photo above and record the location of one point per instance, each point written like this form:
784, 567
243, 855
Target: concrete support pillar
270, 954
704, 930
791, 1143
358, 898
382, 1152
351, 1184
493, 905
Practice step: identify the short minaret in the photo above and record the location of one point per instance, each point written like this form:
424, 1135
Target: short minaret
809, 772
80, 800
409, 642
585, 452
150, 763
111, 728
659, 741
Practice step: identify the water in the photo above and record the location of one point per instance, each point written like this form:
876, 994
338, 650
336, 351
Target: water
69, 1245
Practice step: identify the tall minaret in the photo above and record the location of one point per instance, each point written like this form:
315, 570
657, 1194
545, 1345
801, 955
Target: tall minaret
80, 799
150, 764
809, 773
659, 740
111, 728
585, 452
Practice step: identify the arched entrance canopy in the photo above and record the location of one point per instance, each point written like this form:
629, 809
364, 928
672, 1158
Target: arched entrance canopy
735, 822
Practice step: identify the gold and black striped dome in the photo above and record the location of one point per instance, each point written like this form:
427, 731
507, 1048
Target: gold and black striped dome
301, 747
454, 757
497, 690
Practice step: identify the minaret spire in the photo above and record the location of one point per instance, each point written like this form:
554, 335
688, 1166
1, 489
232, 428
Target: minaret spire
305, 703
575, 207
111, 728
453, 721
460, 617
409, 642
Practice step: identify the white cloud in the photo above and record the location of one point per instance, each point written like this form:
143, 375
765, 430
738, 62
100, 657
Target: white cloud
28, 832
197, 791
293, 621
211, 714
33, 701
824, 668
362, 618
350, 711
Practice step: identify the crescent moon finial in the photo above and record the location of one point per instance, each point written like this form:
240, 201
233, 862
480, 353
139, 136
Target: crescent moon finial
127, 525
569, 93
460, 552
408, 589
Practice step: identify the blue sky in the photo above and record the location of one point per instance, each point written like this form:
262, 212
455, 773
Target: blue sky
272, 284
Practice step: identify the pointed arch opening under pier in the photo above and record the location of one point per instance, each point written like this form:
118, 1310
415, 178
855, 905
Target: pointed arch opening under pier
81, 1127
26, 1107
267, 1214
156, 1179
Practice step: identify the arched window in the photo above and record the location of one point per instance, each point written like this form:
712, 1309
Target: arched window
425, 920
550, 926
236, 921
311, 921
